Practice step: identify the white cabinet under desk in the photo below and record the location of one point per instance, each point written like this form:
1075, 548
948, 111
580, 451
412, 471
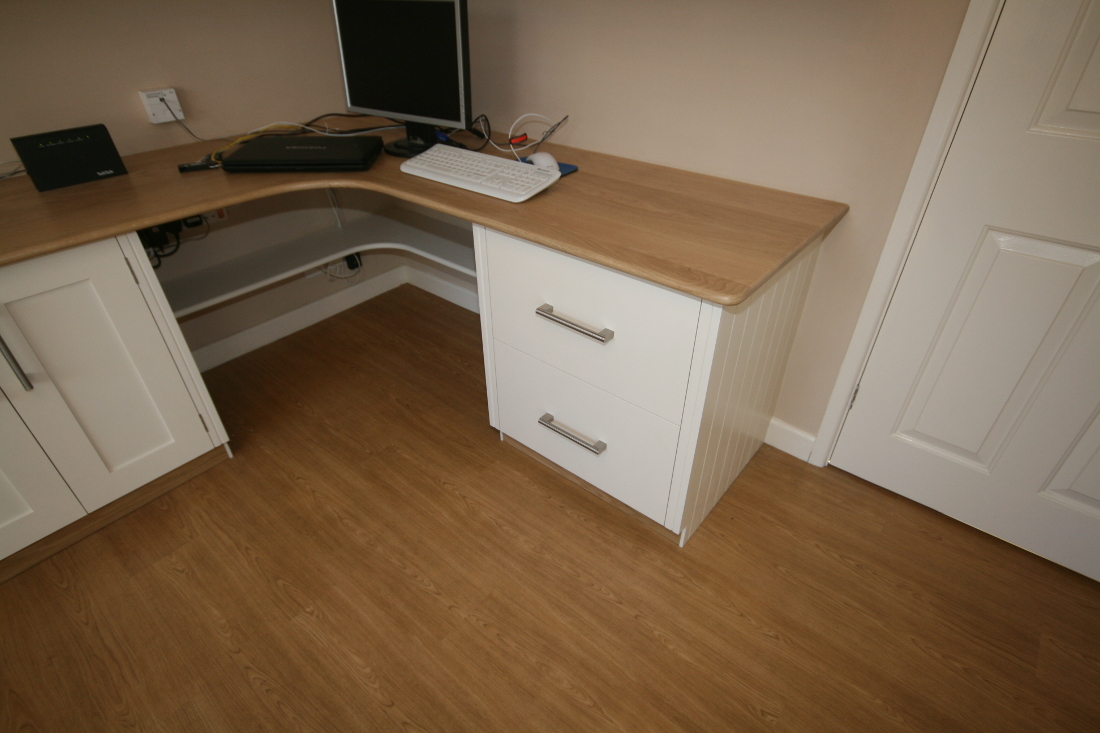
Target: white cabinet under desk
98, 398
102, 393
653, 396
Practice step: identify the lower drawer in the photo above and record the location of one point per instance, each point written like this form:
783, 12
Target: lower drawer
636, 465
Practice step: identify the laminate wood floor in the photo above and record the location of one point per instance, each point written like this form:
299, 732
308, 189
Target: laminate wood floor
374, 558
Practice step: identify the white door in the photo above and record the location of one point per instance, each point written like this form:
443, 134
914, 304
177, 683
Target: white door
982, 392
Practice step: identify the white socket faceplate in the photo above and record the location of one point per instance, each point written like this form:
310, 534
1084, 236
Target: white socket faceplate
155, 107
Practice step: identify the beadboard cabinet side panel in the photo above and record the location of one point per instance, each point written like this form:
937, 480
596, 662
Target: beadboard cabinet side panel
481, 264
706, 337
134, 251
751, 350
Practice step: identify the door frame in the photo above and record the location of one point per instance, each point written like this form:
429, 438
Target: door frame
958, 81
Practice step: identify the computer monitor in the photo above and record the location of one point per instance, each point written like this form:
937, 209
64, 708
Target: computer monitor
407, 60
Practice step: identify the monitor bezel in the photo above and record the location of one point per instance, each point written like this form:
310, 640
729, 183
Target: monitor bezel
462, 32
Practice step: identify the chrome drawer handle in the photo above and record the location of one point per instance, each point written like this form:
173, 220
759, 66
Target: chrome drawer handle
10, 358
547, 421
547, 311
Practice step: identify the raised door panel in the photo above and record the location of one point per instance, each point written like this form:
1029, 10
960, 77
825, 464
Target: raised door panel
108, 404
995, 347
34, 500
1071, 105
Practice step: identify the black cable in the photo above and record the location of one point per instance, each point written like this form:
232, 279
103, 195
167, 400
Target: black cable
484, 134
180, 122
353, 131
213, 160
201, 236
164, 251
303, 131
357, 130
546, 135
336, 114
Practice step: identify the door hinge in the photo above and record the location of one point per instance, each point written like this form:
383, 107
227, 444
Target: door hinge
132, 273
203, 423
853, 400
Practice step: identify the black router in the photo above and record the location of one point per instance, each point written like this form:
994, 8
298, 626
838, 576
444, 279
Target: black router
68, 157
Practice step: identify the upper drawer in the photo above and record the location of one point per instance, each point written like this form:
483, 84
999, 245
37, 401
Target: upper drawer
645, 362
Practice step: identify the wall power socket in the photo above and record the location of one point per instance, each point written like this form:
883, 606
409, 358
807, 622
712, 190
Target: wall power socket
155, 108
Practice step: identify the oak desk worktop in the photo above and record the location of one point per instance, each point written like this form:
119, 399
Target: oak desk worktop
709, 237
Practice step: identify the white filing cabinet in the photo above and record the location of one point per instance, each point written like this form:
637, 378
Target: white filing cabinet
655, 397
627, 387
91, 374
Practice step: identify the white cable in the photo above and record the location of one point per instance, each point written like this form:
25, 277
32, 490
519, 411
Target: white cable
512, 133
335, 207
339, 270
515, 149
14, 171
521, 118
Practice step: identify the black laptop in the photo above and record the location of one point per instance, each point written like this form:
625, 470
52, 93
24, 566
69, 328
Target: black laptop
303, 153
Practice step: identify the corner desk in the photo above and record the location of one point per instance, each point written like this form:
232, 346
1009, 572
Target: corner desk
636, 322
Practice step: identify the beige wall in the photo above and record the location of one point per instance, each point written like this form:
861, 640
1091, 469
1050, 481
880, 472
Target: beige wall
823, 97
235, 64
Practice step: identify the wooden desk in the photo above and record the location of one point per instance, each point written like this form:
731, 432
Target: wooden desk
703, 328
709, 237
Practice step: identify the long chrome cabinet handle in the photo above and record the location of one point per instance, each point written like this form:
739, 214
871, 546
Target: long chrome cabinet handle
547, 311
547, 421
10, 358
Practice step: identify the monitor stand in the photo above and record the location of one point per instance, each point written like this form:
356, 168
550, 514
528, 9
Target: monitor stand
418, 138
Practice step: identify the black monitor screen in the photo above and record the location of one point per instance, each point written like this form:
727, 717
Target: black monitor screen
405, 59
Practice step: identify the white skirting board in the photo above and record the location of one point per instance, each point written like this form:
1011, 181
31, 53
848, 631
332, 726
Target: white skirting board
219, 352
789, 439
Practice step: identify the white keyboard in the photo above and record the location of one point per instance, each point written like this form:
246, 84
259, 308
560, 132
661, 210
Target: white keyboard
502, 178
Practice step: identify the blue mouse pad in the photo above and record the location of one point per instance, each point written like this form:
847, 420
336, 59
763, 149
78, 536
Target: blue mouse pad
565, 168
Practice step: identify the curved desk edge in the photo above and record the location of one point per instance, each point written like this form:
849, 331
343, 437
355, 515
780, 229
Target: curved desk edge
712, 238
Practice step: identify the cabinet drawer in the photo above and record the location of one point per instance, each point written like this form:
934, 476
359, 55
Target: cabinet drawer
636, 465
646, 362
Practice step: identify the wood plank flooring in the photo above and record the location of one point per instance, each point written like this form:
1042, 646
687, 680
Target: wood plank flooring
374, 558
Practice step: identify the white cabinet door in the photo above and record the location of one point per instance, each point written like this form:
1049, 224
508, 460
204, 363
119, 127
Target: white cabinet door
34, 501
107, 403
981, 397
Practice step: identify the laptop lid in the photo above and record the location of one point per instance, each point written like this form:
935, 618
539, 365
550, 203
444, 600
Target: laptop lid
304, 153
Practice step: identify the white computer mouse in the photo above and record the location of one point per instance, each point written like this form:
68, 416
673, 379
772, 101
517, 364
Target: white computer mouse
543, 160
